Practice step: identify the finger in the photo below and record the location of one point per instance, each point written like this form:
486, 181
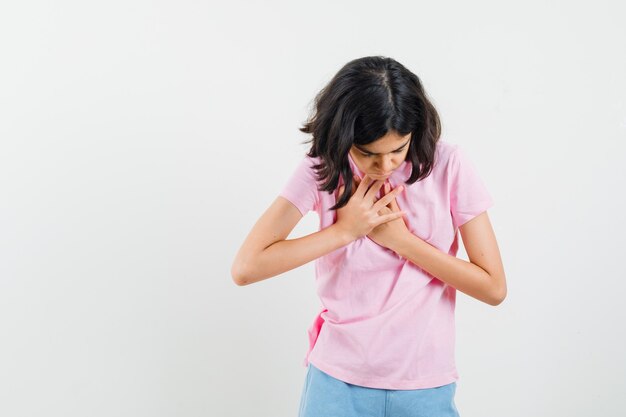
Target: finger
394, 204
363, 185
340, 190
386, 188
373, 190
388, 217
357, 181
383, 201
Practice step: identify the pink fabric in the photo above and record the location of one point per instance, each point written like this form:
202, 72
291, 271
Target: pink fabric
384, 322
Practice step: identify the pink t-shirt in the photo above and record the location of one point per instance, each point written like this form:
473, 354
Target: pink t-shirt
384, 322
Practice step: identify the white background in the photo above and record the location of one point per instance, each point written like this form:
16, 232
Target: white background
140, 141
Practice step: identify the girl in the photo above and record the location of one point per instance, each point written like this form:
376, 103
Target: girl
390, 196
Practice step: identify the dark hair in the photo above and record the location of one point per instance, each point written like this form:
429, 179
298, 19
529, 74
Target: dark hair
366, 99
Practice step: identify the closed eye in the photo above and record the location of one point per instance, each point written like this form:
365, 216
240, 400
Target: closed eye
370, 154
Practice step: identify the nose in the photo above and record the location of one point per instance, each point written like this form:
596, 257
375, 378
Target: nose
387, 164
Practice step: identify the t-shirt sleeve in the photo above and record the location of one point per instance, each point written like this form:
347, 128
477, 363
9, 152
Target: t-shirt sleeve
301, 187
469, 196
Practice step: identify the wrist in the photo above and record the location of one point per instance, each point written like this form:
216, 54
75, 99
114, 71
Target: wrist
343, 236
404, 241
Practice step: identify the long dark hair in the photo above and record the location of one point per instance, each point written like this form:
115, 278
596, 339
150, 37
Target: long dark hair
366, 99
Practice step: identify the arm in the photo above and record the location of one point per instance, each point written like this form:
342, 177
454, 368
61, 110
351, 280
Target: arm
266, 252
482, 278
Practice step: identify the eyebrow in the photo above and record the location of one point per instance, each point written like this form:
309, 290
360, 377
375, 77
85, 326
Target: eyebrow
372, 153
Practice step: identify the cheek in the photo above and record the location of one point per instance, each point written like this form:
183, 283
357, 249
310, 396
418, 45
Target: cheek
363, 164
401, 159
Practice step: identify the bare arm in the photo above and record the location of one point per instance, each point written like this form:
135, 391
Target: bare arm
482, 278
266, 252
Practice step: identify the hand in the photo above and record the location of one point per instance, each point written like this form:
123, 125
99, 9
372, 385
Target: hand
362, 213
390, 233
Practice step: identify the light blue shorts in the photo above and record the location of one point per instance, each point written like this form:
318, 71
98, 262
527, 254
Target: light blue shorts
326, 396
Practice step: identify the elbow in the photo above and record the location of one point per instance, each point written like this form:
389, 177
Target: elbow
496, 301
245, 270
498, 296
238, 275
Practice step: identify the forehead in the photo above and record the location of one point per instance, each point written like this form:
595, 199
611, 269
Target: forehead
389, 143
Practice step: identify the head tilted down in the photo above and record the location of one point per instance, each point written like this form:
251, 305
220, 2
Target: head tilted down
376, 110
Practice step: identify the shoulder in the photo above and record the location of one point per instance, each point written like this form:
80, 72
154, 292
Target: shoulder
444, 152
307, 161
305, 164
312, 160
304, 171
308, 165
445, 147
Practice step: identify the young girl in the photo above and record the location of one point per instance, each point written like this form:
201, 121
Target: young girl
390, 196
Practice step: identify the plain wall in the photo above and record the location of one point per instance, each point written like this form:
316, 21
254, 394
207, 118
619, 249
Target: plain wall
140, 141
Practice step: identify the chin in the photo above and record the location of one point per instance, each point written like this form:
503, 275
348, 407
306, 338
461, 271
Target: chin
379, 177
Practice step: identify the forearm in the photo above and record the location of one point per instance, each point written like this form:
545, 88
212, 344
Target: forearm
458, 273
285, 255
